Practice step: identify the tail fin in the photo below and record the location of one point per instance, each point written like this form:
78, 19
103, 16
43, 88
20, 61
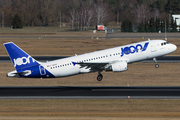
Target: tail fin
19, 58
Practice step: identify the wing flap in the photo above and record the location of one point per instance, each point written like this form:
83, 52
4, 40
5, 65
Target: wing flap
94, 65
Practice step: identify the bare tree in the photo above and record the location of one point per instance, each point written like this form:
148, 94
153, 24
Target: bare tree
72, 12
72, 17
8, 13
36, 11
101, 11
4, 3
155, 13
46, 11
141, 13
87, 17
78, 18
84, 17
29, 11
78, 13
90, 16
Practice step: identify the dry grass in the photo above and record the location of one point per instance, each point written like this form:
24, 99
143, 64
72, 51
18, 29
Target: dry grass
49, 31
70, 34
82, 118
89, 109
36, 29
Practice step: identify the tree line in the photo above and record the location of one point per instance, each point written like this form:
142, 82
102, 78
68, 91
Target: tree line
81, 14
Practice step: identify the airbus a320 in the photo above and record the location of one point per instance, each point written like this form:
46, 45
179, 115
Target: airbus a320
113, 59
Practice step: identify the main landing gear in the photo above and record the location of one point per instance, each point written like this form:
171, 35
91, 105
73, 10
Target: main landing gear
156, 65
99, 77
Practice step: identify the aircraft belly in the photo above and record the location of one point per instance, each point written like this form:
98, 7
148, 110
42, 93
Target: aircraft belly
67, 71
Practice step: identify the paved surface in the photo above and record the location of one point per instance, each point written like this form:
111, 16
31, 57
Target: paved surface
140, 35
85, 92
50, 58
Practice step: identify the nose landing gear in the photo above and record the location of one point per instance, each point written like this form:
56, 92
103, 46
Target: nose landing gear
156, 65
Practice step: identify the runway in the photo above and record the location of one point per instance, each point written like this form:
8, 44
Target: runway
174, 59
88, 92
142, 35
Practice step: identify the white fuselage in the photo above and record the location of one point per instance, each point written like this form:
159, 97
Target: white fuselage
128, 53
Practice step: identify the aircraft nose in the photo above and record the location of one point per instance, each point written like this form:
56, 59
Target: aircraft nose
173, 47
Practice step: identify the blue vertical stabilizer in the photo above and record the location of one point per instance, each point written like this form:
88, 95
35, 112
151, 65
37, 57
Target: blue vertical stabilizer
19, 58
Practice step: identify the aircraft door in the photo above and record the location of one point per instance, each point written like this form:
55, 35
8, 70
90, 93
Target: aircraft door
42, 70
153, 47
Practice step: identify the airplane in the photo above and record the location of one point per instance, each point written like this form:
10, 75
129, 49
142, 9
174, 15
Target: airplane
113, 59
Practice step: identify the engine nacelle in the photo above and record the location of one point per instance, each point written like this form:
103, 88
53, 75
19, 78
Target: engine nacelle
118, 67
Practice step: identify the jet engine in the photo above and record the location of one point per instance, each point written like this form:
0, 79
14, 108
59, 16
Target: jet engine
117, 67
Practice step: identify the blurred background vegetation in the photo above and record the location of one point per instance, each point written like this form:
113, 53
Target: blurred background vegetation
82, 15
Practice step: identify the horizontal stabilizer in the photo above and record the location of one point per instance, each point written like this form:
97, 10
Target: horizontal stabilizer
18, 74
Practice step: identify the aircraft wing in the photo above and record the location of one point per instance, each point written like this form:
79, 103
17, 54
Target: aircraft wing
94, 65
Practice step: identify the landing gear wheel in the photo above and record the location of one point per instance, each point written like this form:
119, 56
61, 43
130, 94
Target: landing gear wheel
99, 77
156, 65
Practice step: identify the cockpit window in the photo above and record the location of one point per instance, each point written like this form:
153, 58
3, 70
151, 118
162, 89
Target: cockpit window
164, 43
